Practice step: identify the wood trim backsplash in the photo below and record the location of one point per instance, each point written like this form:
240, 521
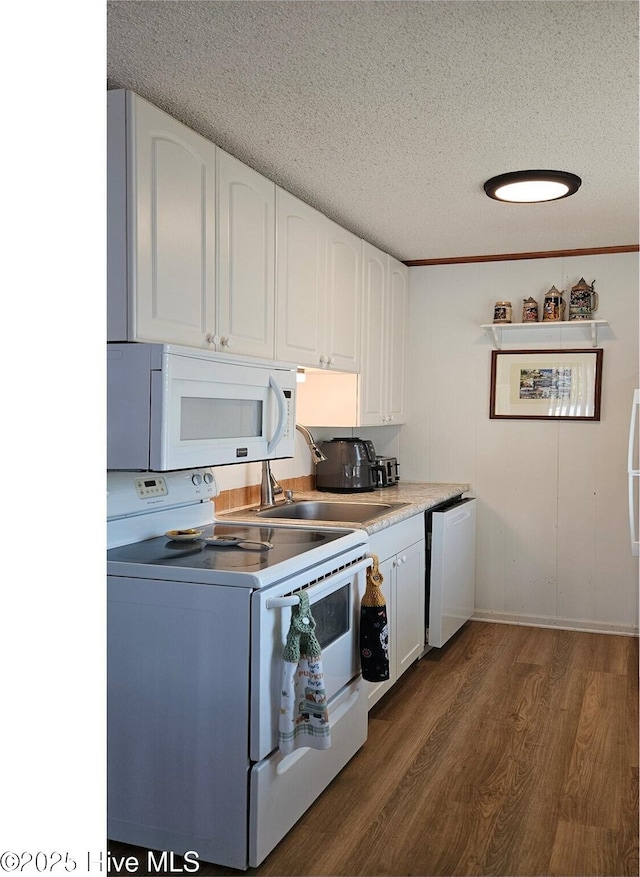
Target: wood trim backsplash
241, 497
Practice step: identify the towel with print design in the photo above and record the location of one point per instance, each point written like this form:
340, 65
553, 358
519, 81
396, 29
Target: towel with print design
304, 720
374, 628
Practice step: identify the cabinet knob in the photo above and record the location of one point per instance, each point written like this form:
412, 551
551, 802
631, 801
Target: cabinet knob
331, 360
226, 341
323, 360
213, 339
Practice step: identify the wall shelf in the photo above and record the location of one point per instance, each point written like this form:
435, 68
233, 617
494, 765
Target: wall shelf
498, 328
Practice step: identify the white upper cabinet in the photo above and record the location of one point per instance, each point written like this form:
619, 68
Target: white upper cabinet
373, 380
375, 396
344, 297
384, 325
161, 226
318, 288
246, 259
205, 252
395, 356
301, 271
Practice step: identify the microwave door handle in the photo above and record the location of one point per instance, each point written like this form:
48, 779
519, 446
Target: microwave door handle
633, 473
282, 414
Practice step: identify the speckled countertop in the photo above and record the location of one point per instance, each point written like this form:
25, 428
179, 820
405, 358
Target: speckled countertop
417, 496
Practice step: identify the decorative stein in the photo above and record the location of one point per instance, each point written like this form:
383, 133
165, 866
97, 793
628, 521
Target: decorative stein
529, 310
583, 300
554, 305
502, 312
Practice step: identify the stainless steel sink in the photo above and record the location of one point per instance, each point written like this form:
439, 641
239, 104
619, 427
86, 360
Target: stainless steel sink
319, 510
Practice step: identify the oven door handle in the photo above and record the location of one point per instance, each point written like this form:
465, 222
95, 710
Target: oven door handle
293, 599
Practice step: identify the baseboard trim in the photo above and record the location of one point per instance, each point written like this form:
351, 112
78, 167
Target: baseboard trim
556, 623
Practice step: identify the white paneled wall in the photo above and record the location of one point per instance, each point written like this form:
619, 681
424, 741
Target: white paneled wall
553, 540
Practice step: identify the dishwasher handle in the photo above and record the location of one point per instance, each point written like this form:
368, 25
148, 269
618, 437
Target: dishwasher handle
633, 474
455, 515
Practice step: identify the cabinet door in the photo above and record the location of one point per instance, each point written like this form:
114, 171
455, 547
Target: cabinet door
246, 259
300, 281
373, 377
409, 626
344, 294
172, 216
397, 317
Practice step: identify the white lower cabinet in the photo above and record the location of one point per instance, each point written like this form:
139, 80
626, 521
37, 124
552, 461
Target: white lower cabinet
401, 552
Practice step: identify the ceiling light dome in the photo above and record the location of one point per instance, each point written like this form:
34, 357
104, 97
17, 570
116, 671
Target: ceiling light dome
530, 187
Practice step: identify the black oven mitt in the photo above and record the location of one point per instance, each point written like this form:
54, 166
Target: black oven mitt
374, 628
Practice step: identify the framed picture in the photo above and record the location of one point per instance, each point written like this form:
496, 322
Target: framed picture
546, 384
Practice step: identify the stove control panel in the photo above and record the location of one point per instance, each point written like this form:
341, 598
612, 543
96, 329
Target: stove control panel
151, 486
132, 493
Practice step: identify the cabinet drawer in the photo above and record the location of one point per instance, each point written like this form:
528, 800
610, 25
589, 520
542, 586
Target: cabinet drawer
389, 541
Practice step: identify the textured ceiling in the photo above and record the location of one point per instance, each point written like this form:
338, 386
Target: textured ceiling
389, 116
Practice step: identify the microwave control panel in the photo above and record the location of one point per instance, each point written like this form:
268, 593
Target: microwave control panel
290, 427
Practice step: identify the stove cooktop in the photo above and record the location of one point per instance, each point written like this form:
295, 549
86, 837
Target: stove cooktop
198, 561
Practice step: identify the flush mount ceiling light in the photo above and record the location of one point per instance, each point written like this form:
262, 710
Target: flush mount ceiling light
529, 187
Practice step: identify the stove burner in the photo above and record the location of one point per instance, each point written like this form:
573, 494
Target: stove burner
287, 543
179, 549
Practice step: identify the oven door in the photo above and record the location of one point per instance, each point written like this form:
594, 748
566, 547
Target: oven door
335, 608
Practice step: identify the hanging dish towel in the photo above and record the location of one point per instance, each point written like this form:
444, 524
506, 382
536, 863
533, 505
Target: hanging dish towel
304, 720
374, 629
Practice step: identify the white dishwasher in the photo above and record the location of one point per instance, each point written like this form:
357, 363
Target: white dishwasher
450, 569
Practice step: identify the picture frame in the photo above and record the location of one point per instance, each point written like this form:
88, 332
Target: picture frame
546, 384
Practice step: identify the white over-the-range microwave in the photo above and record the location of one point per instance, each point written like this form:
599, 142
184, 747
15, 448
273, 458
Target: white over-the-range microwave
172, 407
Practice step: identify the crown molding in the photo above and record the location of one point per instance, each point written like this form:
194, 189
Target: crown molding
542, 254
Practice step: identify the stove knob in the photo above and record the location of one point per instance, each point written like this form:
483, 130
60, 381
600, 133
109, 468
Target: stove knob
208, 478
196, 479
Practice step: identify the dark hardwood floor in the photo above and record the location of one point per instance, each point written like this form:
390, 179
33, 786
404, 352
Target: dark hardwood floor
512, 751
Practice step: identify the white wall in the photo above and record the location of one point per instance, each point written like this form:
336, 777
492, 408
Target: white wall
553, 542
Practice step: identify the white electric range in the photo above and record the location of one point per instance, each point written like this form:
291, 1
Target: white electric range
195, 637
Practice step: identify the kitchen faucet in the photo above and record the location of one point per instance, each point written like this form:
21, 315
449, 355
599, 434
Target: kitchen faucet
316, 454
269, 487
